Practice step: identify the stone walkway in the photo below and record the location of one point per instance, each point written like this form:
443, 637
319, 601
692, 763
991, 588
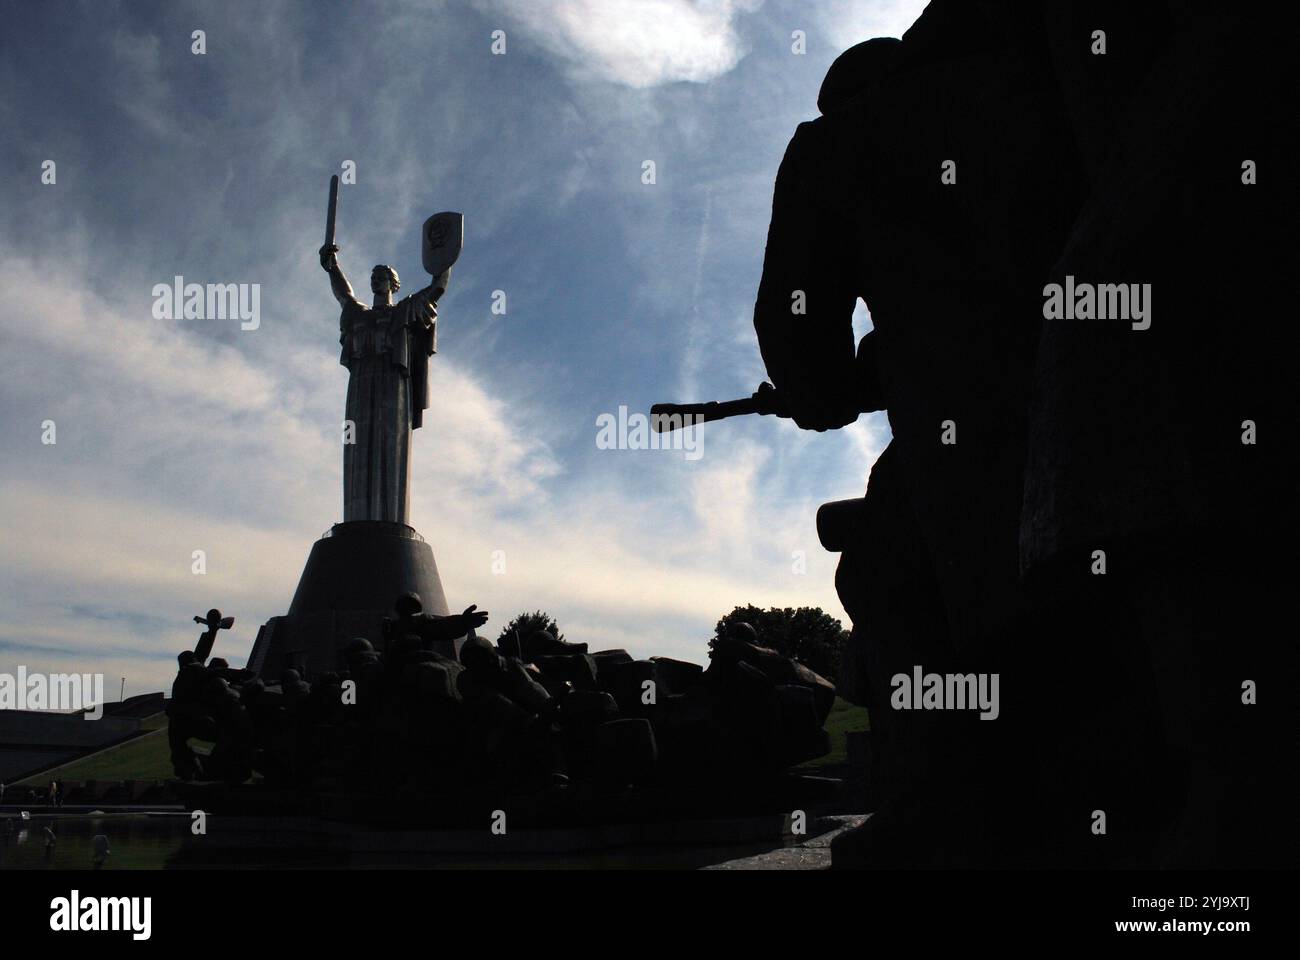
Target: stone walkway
812, 854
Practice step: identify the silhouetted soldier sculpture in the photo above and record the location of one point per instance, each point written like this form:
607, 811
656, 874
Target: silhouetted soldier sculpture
952, 176
436, 633
898, 195
214, 622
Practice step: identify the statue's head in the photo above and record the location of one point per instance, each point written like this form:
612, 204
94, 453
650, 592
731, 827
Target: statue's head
734, 643
384, 279
856, 70
742, 631
408, 605
478, 653
358, 647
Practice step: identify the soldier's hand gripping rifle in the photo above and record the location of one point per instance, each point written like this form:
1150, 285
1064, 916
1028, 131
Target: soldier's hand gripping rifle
665, 417
865, 397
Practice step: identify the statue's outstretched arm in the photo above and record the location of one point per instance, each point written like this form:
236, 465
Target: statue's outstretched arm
424, 304
342, 290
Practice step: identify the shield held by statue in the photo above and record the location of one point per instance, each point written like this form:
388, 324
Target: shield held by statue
440, 242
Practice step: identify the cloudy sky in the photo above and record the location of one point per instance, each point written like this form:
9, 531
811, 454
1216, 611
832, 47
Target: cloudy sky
181, 435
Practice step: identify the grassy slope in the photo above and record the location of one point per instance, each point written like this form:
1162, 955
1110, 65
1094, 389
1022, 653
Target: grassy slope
146, 757
844, 718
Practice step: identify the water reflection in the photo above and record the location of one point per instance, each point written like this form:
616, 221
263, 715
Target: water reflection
67, 842
158, 841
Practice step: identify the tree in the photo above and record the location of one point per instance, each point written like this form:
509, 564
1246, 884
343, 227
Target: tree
529, 623
809, 635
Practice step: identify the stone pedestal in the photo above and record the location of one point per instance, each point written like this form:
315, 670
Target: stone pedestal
353, 576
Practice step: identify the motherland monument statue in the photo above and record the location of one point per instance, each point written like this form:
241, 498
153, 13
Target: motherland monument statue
359, 568
386, 348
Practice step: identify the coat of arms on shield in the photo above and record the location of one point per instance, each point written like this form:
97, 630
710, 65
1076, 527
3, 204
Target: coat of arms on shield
440, 242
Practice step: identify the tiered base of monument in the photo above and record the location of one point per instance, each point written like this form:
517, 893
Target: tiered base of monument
353, 576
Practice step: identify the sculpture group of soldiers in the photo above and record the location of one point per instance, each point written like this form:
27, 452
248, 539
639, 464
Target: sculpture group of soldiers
433, 709
1082, 506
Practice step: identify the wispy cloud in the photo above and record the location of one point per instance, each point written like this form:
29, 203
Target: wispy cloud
139, 84
637, 43
176, 436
